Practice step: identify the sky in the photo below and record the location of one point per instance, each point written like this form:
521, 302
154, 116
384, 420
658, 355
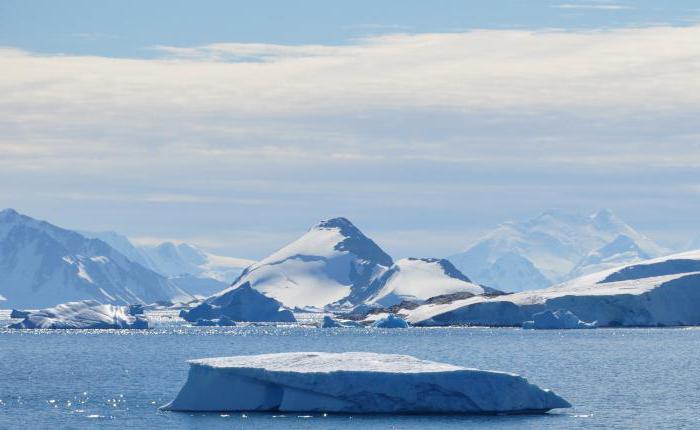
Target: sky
238, 125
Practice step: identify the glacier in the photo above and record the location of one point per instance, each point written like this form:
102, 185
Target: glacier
86, 314
664, 291
354, 382
242, 303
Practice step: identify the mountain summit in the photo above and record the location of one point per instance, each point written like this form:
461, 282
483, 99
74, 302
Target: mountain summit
333, 262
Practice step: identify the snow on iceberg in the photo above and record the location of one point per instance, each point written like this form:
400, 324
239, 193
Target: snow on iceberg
559, 319
240, 304
354, 382
87, 314
659, 292
390, 321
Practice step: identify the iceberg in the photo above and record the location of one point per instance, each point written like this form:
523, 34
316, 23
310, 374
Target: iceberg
355, 382
86, 314
559, 319
390, 321
240, 304
329, 322
16, 313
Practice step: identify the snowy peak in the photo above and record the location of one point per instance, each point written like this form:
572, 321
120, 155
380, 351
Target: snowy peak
354, 241
554, 242
623, 249
42, 265
418, 279
333, 262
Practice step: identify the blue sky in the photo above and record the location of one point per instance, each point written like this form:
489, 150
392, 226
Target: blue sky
237, 125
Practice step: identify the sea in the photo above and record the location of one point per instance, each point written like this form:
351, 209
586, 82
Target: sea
619, 378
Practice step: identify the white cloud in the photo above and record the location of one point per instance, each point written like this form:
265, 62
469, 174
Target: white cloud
409, 128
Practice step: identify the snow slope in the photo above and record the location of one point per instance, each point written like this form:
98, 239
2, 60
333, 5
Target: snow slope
354, 382
87, 314
42, 265
332, 262
658, 292
418, 279
554, 243
622, 250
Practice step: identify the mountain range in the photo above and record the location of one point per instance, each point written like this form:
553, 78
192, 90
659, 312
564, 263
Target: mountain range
42, 265
333, 265
551, 248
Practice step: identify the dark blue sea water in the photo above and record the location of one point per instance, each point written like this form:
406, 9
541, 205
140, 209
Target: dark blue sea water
616, 378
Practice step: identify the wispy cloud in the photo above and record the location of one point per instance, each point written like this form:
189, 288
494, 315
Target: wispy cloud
449, 124
591, 6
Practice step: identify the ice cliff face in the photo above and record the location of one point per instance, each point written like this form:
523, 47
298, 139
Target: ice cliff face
42, 265
550, 248
354, 382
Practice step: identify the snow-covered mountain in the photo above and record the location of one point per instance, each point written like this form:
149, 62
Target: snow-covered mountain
556, 244
664, 291
177, 259
170, 259
190, 268
333, 262
622, 250
418, 279
42, 265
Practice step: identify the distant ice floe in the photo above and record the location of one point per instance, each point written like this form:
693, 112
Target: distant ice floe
87, 314
354, 382
559, 319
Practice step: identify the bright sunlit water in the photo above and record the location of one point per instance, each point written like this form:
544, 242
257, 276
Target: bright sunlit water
616, 378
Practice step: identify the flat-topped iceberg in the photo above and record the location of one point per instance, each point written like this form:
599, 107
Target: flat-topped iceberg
86, 314
354, 382
559, 319
242, 303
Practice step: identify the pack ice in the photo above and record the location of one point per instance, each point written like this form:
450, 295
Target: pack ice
87, 314
354, 382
